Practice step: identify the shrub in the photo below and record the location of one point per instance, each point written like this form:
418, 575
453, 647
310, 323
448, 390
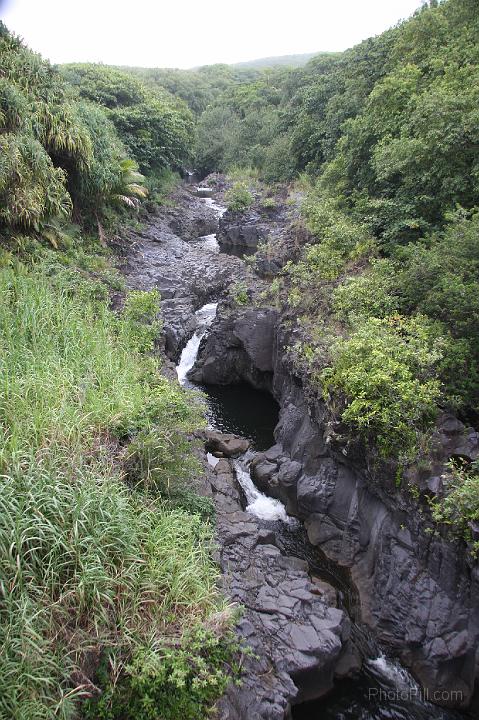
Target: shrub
372, 293
238, 197
172, 683
269, 203
459, 508
239, 293
385, 371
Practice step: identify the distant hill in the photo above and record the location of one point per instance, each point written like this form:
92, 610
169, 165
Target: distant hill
287, 60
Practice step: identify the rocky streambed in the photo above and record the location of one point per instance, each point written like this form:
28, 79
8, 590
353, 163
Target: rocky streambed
335, 573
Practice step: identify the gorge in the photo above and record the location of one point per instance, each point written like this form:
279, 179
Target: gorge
397, 589
239, 377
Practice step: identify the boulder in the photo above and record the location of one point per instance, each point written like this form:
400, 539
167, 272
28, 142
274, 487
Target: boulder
228, 446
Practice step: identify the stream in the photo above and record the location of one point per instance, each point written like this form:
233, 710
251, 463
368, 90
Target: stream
383, 689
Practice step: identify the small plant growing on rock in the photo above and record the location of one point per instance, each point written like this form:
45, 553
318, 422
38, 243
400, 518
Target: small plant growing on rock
269, 203
459, 509
238, 197
239, 293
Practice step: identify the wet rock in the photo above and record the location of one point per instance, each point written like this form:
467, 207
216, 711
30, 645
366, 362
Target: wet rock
238, 349
415, 589
326, 591
188, 216
186, 276
242, 229
296, 636
265, 475
229, 446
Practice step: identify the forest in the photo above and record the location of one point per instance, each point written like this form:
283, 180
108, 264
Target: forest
105, 545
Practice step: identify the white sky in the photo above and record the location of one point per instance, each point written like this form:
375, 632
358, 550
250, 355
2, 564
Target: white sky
187, 33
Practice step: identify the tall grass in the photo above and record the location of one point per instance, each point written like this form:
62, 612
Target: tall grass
87, 561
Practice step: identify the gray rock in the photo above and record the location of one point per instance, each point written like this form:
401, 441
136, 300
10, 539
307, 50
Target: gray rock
228, 445
288, 624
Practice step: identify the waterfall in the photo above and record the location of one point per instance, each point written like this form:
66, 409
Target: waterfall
204, 318
264, 507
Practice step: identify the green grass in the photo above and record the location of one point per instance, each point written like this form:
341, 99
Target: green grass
88, 561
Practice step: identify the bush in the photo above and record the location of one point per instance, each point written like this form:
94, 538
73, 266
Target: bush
238, 197
239, 293
172, 683
459, 509
372, 293
385, 372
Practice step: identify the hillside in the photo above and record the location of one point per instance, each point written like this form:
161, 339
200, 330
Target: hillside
297, 60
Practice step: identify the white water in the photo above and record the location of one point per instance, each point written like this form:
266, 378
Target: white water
204, 318
218, 209
212, 460
391, 670
210, 242
262, 506
207, 242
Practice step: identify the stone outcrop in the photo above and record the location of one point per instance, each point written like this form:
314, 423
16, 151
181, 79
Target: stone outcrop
419, 590
242, 229
239, 350
298, 637
186, 276
266, 220
221, 445
189, 217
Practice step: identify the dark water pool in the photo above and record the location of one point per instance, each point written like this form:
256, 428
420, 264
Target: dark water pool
239, 251
242, 410
374, 696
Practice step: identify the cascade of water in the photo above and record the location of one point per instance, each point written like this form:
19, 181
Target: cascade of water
205, 317
264, 507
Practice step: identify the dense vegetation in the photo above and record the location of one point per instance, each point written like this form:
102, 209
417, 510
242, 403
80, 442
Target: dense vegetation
156, 128
106, 577
388, 136
394, 252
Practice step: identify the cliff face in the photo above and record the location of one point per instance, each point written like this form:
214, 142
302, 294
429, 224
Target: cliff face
418, 590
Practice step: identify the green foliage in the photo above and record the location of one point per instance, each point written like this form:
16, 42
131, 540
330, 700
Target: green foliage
31, 188
156, 128
172, 683
278, 163
140, 319
459, 508
269, 203
238, 197
371, 293
437, 278
88, 561
385, 371
56, 153
239, 294
242, 128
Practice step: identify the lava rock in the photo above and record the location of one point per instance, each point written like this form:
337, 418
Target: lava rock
229, 446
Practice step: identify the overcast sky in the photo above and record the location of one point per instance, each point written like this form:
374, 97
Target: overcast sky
186, 33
